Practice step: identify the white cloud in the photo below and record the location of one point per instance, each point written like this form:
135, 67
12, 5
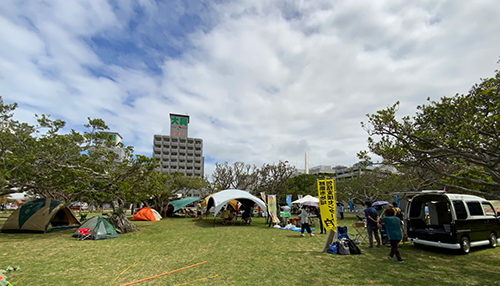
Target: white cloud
263, 81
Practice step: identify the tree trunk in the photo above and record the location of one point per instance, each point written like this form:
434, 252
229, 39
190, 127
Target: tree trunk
119, 218
122, 224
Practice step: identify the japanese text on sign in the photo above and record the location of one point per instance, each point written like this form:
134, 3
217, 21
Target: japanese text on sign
327, 204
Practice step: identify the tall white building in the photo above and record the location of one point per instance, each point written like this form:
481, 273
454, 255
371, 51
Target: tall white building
177, 152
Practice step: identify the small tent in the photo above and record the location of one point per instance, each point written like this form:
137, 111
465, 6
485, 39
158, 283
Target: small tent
41, 215
147, 214
307, 198
100, 228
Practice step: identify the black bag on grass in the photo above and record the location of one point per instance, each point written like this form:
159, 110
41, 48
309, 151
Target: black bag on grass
353, 248
343, 247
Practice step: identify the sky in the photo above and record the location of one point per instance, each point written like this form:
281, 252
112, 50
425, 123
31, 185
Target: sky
262, 81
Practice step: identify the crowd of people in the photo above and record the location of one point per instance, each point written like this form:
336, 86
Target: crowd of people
382, 223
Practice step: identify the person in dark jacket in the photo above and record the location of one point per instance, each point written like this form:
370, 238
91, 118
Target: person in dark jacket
371, 216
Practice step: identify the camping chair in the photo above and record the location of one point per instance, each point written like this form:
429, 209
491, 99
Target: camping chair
83, 216
384, 236
342, 232
84, 233
361, 234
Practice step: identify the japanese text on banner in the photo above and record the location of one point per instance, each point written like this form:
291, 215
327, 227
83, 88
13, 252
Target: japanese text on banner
327, 204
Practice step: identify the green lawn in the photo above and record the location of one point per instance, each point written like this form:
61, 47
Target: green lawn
239, 255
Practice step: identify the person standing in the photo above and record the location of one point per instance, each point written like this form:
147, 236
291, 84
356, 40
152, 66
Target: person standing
371, 224
304, 221
395, 231
321, 228
397, 211
198, 210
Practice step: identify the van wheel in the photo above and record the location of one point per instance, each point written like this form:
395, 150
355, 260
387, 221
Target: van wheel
465, 245
493, 240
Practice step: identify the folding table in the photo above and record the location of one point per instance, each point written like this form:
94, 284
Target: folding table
361, 234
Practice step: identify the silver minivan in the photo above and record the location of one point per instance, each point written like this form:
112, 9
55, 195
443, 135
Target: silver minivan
452, 221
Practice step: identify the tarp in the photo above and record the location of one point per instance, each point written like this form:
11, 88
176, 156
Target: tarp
220, 199
100, 228
147, 214
307, 198
41, 215
178, 204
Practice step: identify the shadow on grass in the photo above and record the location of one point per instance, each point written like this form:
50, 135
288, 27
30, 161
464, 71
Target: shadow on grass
445, 251
28, 236
208, 223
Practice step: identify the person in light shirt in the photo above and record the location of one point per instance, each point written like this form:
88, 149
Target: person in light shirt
304, 220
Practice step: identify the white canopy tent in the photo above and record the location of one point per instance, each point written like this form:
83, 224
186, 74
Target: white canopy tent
220, 199
307, 198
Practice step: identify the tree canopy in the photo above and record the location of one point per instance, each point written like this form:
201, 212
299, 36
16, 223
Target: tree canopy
87, 167
239, 176
454, 142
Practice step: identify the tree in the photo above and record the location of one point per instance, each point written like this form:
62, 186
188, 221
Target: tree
453, 142
68, 167
160, 192
376, 184
16, 143
110, 180
34, 161
305, 184
162, 186
122, 184
273, 178
239, 176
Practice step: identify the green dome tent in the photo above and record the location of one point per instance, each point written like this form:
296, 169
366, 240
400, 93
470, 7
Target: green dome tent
100, 228
41, 215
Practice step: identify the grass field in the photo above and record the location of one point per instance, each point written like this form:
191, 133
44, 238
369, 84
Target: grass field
239, 255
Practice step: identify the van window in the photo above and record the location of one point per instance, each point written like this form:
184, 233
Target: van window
416, 209
475, 208
460, 209
488, 209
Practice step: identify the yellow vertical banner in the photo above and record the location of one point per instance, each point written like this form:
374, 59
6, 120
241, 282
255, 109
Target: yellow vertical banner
327, 204
271, 207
